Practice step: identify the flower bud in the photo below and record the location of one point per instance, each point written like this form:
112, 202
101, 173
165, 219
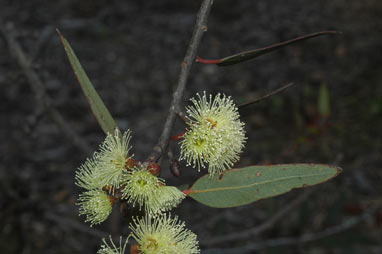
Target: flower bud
154, 168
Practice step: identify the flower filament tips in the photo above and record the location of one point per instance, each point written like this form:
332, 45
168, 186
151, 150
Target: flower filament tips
215, 135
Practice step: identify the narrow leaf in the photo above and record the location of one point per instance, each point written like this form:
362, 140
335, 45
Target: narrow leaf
242, 186
248, 55
97, 106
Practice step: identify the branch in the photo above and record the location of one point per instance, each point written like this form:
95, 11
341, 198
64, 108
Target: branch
44, 102
199, 29
264, 226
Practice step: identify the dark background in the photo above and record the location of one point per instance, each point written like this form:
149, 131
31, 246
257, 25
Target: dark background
132, 51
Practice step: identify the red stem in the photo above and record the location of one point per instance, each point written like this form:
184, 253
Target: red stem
207, 61
179, 136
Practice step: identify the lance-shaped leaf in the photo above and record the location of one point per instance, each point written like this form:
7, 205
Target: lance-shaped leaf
97, 106
248, 55
242, 186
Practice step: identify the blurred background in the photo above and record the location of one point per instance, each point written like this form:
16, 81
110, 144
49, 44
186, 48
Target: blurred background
132, 51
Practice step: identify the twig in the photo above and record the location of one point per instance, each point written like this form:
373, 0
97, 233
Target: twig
265, 96
283, 241
199, 29
42, 98
264, 226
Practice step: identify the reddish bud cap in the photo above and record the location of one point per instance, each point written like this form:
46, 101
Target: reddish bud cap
134, 249
130, 163
154, 168
113, 200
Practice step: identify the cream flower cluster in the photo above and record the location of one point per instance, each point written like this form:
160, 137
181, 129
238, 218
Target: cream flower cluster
160, 235
215, 138
106, 167
149, 191
215, 135
102, 172
108, 171
164, 236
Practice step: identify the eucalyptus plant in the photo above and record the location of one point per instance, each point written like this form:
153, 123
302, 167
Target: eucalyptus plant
213, 140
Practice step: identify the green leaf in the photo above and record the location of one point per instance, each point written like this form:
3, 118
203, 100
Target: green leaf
242, 186
97, 106
324, 101
248, 55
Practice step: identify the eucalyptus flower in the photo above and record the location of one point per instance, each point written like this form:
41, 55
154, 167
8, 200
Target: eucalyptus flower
96, 205
112, 158
164, 235
107, 166
149, 191
112, 249
169, 197
87, 175
215, 135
